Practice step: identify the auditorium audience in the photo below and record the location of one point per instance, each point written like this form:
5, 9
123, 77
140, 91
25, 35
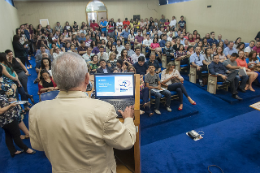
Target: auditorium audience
172, 81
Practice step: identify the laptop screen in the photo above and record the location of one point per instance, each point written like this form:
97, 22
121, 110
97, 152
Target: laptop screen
114, 86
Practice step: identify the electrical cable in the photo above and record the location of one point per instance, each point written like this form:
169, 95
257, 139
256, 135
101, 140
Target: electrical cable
214, 166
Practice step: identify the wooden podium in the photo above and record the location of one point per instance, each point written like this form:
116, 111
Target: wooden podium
129, 159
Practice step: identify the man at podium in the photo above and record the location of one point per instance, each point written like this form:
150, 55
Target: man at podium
78, 133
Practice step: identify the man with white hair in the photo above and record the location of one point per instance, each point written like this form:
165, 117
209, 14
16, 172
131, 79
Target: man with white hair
78, 133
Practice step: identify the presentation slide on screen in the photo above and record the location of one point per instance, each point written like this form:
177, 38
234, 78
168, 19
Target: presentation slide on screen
114, 85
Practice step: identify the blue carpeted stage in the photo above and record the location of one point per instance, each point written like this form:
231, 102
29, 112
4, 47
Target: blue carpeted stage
232, 144
231, 138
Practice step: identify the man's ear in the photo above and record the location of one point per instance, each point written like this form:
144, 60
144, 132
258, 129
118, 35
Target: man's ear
87, 78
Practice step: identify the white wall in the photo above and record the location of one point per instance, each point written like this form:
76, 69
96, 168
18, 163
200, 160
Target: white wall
9, 22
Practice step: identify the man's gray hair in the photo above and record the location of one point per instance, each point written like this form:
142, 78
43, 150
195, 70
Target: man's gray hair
69, 71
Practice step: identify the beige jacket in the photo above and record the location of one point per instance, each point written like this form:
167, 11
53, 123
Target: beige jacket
78, 133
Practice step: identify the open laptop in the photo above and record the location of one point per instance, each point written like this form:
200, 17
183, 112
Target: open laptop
116, 88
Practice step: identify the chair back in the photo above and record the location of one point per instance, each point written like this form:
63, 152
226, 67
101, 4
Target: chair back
49, 95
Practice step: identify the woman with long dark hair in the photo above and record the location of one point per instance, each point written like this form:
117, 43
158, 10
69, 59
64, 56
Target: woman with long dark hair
20, 70
19, 49
46, 83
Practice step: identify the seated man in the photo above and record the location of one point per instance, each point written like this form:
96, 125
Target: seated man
223, 75
125, 34
138, 39
82, 49
103, 67
231, 65
38, 56
87, 56
137, 54
130, 52
230, 49
163, 41
141, 67
102, 55
82, 37
154, 62
257, 47
152, 81
119, 46
197, 60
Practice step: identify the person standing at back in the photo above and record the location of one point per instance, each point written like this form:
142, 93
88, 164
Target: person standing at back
103, 26
182, 24
78, 133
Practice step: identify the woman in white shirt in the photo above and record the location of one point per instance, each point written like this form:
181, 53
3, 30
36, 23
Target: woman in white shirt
172, 81
131, 36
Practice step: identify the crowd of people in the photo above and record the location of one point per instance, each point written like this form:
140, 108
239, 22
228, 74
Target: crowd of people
135, 46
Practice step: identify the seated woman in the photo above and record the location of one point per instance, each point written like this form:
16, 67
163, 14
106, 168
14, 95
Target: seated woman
181, 55
252, 75
208, 56
144, 92
169, 51
114, 50
155, 46
221, 55
125, 58
112, 60
253, 63
172, 81
45, 64
46, 83
94, 64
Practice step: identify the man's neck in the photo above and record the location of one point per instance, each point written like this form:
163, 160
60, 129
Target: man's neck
104, 67
152, 73
198, 54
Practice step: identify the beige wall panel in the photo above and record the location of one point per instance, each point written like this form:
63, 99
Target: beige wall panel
9, 22
231, 18
32, 12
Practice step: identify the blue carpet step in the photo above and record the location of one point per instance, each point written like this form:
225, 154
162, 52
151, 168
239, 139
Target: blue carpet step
232, 144
165, 117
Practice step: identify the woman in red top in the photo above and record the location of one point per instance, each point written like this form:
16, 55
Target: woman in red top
191, 40
111, 29
252, 75
46, 83
166, 23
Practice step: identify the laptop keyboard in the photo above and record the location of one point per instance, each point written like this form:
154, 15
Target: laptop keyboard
121, 104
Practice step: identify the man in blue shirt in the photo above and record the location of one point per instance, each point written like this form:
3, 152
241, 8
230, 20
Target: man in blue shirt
229, 50
163, 41
125, 34
182, 24
217, 68
197, 60
154, 62
140, 66
212, 39
103, 26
